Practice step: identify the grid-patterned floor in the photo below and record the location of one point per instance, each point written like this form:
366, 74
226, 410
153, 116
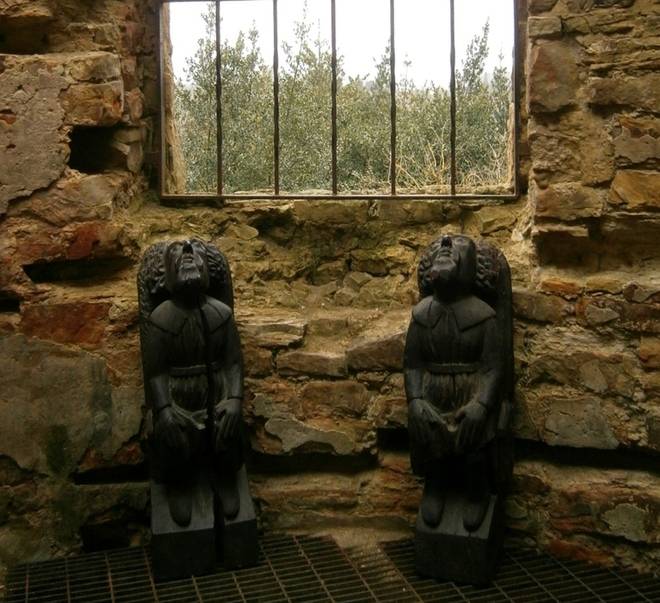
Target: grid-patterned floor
314, 569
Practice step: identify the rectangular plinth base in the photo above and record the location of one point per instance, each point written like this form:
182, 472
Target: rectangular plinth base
237, 537
176, 551
450, 552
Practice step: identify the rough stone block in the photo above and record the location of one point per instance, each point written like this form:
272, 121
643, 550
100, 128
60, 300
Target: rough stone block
334, 398
300, 362
638, 140
553, 77
594, 513
80, 323
75, 198
649, 352
390, 411
640, 292
579, 423
21, 13
540, 307
56, 404
274, 333
377, 353
567, 201
642, 92
92, 66
317, 435
541, 6
382, 260
559, 284
573, 357
258, 361
583, 6
636, 190
93, 104
34, 150
544, 27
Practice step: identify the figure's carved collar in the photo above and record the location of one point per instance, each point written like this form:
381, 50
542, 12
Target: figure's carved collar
468, 311
171, 316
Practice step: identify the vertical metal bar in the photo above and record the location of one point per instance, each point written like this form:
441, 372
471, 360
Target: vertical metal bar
218, 98
392, 104
67, 580
238, 588
161, 117
27, 583
154, 592
452, 92
276, 102
111, 587
516, 76
198, 594
333, 35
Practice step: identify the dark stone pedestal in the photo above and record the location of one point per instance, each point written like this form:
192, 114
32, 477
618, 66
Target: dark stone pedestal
450, 552
237, 537
178, 552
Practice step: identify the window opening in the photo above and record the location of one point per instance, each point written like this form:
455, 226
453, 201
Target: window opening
336, 99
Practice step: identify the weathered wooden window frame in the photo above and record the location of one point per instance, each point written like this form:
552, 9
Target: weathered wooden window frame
220, 196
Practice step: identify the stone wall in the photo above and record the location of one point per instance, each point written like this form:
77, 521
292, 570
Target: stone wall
323, 292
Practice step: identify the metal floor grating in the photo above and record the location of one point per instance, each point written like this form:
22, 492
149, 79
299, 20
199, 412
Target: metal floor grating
314, 569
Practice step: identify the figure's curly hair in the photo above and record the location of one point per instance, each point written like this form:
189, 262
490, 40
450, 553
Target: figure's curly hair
220, 285
152, 290
424, 282
489, 264
489, 261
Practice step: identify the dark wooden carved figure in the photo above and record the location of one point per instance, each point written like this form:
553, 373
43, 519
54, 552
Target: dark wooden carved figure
458, 378
193, 379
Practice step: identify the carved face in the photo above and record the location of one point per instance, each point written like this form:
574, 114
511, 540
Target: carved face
186, 267
454, 263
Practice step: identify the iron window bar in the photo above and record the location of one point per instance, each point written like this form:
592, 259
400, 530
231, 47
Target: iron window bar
219, 197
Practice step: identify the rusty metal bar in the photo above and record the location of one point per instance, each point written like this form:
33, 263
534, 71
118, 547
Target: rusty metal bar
152, 582
67, 580
218, 200
276, 103
516, 83
392, 104
161, 88
111, 588
333, 36
218, 99
452, 92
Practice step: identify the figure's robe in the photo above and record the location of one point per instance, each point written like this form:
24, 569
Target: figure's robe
193, 356
452, 356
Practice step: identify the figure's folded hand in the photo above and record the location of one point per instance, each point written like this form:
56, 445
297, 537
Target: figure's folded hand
472, 419
227, 416
169, 431
421, 409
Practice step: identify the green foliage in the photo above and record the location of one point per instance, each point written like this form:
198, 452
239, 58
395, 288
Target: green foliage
363, 154
195, 113
305, 104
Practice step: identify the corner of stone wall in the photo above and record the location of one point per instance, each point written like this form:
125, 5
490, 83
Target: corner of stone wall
588, 320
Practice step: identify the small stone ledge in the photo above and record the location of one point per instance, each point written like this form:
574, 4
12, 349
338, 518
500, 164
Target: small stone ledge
600, 511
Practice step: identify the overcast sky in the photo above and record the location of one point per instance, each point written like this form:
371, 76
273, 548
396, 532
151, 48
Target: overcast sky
422, 31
